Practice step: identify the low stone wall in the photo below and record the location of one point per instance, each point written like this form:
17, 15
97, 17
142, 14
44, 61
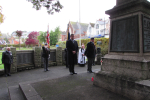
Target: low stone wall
28, 59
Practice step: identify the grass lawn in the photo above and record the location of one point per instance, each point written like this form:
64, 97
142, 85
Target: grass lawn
1, 66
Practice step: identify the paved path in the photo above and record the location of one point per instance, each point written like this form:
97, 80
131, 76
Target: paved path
35, 75
64, 86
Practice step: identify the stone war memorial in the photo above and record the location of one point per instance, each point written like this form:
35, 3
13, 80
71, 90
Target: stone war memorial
126, 67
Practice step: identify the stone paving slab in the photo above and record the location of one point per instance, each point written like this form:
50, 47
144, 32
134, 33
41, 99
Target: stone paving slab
15, 93
73, 87
29, 92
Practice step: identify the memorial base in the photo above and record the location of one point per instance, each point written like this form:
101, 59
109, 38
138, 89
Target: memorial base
137, 67
131, 88
125, 75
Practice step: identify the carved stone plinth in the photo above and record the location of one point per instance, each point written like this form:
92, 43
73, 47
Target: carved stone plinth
59, 56
14, 65
128, 58
37, 56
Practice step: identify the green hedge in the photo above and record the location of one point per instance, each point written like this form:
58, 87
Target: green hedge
22, 45
104, 46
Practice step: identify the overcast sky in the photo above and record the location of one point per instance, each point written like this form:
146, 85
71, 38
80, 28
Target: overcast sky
19, 14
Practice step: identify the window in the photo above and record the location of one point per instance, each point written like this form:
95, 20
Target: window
97, 26
97, 32
90, 29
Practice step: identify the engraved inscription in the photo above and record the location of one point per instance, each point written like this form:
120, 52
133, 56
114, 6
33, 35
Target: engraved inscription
125, 35
146, 34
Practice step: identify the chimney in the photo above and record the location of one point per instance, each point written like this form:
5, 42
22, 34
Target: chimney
100, 20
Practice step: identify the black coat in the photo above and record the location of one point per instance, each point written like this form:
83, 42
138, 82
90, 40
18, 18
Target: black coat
7, 58
90, 50
45, 53
72, 47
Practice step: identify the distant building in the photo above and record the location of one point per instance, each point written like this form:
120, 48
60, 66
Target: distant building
62, 36
91, 29
99, 29
76, 28
102, 28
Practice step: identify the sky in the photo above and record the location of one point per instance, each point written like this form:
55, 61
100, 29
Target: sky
20, 15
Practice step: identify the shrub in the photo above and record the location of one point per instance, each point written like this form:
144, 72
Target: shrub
104, 46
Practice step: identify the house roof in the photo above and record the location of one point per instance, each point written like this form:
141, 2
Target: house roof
92, 24
76, 26
102, 22
63, 32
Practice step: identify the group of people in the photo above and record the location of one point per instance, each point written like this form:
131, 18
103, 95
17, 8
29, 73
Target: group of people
71, 56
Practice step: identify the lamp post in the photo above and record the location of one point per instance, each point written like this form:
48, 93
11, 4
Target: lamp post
79, 25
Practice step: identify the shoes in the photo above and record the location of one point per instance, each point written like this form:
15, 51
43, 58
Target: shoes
90, 71
71, 73
74, 73
9, 74
47, 69
44, 70
5, 75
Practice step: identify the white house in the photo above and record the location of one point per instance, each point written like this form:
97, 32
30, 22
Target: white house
99, 29
91, 30
102, 28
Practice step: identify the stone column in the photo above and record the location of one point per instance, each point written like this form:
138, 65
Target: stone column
37, 56
59, 56
14, 65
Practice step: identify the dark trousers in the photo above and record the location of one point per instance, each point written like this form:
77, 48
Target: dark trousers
45, 60
71, 66
7, 68
67, 64
93, 61
90, 62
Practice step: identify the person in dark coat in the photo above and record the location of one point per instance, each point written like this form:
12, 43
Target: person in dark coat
7, 60
90, 53
95, 56
66, 58
46, 56
72, 48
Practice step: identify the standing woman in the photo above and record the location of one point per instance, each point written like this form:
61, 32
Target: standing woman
81, 57
7, 60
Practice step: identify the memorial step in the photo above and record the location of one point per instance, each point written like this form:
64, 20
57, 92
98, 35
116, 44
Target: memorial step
29, 92
15, 93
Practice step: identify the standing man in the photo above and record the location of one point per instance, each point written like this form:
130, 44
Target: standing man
7, 60
90, 53
94, 56
72, 48
66, 58
46, 56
